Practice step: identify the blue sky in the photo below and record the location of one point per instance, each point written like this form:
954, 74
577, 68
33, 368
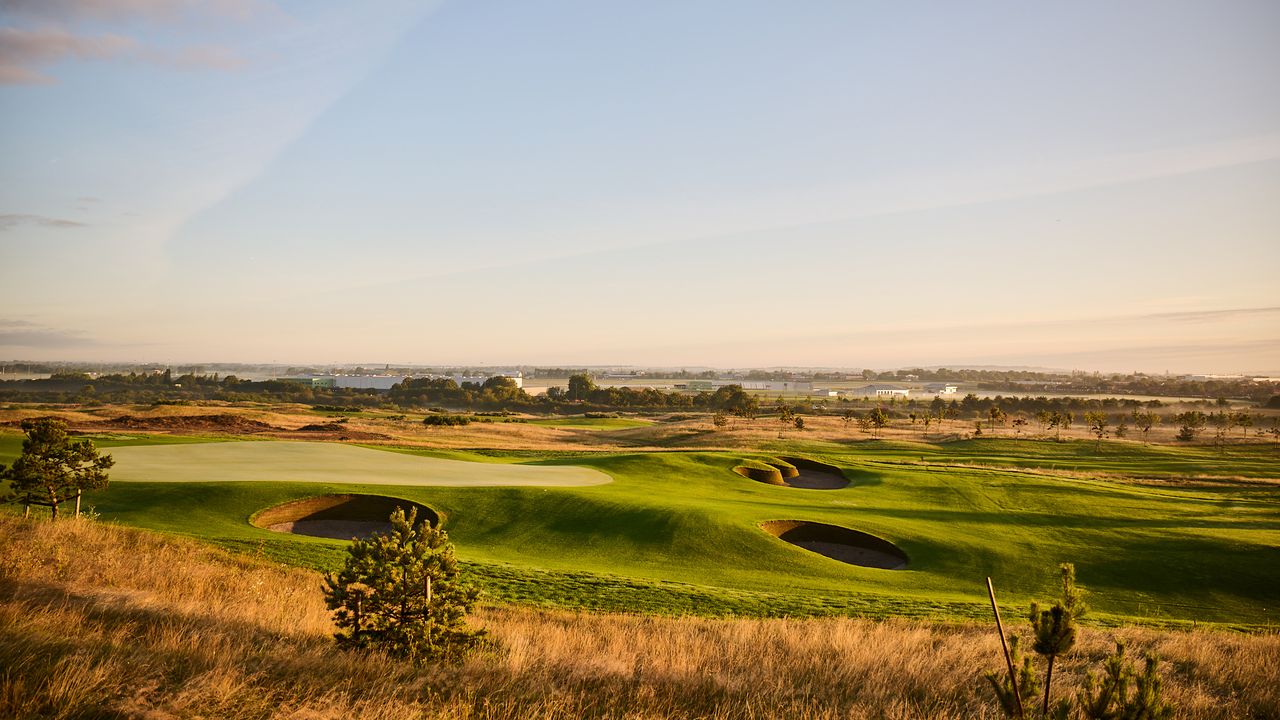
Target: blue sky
1089, 185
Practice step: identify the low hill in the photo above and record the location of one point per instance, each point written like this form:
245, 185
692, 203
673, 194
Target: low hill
102, 621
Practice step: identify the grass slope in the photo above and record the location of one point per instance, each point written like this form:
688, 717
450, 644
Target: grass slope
678, 531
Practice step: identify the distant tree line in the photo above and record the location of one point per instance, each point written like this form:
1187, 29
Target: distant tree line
165, 387
580, 394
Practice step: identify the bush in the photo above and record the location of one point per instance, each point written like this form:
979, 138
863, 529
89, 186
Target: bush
446, 420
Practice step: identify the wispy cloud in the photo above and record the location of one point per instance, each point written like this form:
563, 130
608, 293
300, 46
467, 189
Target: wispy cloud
24, 334
23, 52
149, 10
8, 222
1212, 315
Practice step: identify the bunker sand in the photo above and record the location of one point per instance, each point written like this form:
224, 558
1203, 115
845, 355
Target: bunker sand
330, 463
839, 543
340, 517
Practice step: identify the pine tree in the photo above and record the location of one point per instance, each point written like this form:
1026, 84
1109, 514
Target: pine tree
400, 592
53, 468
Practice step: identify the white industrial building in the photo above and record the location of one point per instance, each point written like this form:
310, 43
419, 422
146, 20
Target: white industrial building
774, 385
940, 388
803, 386
367, 382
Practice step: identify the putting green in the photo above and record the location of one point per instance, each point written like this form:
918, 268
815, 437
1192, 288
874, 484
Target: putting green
330, 463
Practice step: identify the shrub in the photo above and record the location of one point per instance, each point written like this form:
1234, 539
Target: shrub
1054, 633
446, 420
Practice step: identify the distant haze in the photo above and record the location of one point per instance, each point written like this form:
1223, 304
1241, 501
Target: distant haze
1088, 185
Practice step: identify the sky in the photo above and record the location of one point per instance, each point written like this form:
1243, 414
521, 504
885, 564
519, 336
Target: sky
729, 183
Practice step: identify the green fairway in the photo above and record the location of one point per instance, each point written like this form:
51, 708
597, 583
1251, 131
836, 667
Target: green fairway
678, 531
292, 462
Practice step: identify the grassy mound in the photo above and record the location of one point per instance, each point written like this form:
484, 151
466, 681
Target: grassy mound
761, 471
793, 472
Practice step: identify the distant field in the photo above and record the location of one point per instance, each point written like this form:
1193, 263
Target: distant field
586, 423
678, 531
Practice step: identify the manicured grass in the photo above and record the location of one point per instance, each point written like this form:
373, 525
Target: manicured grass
1120, 458
586, 423
329, 463
678, 531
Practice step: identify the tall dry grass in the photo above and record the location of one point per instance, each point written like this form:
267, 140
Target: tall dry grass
102, 621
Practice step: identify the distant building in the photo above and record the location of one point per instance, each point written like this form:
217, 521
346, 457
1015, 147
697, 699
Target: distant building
799, 386
359, 382
940, 388
882, 391
773, 385
315, 381
517, 377
367, 382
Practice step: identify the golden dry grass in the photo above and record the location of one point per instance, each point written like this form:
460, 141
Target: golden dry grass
101, 621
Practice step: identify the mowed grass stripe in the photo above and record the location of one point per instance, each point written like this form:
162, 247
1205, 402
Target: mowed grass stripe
330, 463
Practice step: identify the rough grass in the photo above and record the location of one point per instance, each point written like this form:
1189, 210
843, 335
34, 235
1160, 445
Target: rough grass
102, 621
589, 423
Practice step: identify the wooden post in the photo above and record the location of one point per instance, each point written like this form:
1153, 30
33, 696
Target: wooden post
1008, 661
1048, 685
428, 591
77, 503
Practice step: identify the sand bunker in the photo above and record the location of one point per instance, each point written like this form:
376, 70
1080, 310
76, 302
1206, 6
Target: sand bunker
839, 543
795, 472
340, 517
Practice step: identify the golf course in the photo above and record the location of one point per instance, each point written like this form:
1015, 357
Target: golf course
1159, 534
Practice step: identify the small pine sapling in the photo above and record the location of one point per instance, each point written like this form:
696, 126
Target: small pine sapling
1009, 697
1054, 630
1109, 698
